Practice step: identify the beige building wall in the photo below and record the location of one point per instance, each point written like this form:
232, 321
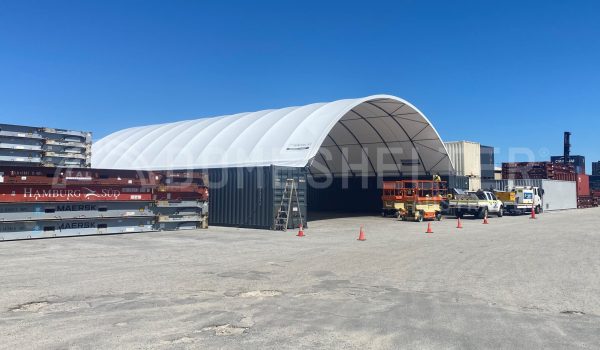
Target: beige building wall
466, 157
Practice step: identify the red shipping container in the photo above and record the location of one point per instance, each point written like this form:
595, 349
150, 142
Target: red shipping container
40, 193
181, 196
583, 185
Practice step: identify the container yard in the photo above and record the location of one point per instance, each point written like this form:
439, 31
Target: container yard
299, 175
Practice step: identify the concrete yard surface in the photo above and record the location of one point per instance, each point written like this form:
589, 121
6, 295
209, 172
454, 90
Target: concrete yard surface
516, 283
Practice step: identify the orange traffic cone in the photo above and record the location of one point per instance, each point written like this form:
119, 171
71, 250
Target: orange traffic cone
485, 221
459, 225
300, 231
532, 212
429, 230
361, 235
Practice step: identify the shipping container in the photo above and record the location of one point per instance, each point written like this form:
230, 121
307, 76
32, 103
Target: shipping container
586, 202
583, 185
103, 177
487, 162
179, 226
74, 210
594, 182
578, 162
74, 227
557, 194
249, 197
538, 170
44, 193
466, 157
474, 183
457, 182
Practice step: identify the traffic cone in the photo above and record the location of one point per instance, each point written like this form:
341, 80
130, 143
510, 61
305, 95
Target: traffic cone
459, 225
485, 221
532, 213
361, 235
429, 230
300, 231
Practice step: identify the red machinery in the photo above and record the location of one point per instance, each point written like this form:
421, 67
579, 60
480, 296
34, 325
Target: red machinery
414, 199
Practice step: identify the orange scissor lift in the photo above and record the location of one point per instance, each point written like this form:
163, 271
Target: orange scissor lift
415, 200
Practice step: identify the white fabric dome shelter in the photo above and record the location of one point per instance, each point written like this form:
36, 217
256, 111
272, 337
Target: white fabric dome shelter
374, 135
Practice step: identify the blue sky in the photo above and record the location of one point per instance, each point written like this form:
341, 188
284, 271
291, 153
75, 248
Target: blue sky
504, 73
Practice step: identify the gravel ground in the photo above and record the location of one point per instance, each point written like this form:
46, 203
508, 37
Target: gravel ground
513, 284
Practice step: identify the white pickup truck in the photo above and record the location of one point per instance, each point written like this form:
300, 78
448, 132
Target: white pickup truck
479, 204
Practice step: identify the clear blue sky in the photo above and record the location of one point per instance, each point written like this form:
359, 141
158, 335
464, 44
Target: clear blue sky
504, 73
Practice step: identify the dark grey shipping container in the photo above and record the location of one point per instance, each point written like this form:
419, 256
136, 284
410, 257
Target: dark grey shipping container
249, 197
458, 182
487, 162
595, 182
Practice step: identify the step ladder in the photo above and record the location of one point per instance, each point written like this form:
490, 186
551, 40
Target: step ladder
289, 207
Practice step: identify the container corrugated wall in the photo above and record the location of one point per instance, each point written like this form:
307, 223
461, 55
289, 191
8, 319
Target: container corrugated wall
474, 183
466, 157
583, 185
241, 197
558, 195
249, 197
487, 162
280, 176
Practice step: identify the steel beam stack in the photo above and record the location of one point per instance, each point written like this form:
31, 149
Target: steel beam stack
47, 147
39, 202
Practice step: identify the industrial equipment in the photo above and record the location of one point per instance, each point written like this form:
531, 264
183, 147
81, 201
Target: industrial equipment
521, 199
415, 200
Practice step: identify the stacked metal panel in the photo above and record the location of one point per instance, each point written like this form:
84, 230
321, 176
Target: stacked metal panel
47, 147
39, 202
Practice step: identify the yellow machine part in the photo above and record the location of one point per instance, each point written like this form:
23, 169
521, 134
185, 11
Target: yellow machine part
429, 209
506, 196
393, 205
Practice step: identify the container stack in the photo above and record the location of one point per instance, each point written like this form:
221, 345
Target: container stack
38, 202
538, 170
47, 147
181, 200
585, 198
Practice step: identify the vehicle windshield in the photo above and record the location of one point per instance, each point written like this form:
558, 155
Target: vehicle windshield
481, 195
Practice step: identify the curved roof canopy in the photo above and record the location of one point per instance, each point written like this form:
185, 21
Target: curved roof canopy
380, 134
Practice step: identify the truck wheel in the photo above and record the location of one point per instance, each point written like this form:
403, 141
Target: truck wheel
537, 209
483, 213
438, 216
419, 217
459, 214
500, 212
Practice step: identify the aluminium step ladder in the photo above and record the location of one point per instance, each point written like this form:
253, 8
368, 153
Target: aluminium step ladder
286, 210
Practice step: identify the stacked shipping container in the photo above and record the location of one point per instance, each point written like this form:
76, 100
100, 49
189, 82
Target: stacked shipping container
538, 170
467, 160
585, 198
37, 202
32, 146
